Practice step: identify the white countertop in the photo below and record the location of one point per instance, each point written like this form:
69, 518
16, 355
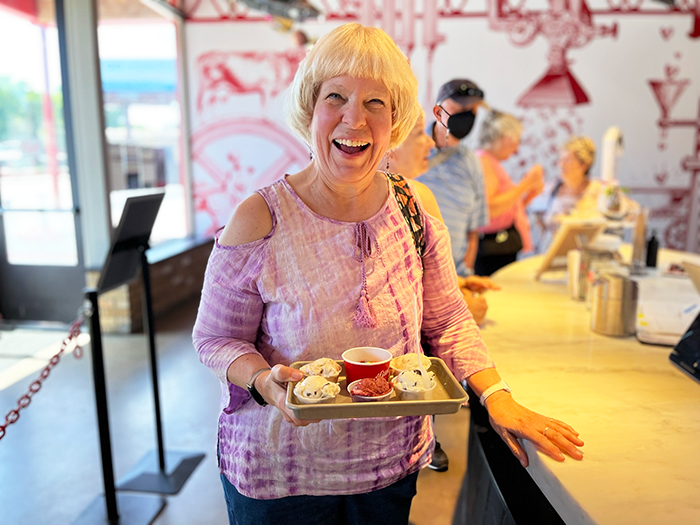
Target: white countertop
638, 414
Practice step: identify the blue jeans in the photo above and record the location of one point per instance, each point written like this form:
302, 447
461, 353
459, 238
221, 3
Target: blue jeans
387, 506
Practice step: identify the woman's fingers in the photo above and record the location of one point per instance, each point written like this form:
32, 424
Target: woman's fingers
514, 445
554, 438
564, 425
280, 402
479, 284
275, 392
566, 430
285, 374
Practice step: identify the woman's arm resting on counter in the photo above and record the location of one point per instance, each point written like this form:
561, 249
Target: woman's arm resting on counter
512, 421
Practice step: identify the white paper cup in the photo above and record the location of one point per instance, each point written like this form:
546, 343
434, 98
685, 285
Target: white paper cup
410, 395
313, 400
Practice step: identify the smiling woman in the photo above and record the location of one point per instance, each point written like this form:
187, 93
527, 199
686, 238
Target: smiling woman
327, 259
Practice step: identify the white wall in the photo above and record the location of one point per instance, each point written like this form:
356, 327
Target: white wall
241, 144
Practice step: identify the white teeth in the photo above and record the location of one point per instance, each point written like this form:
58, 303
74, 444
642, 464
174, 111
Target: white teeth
352, 143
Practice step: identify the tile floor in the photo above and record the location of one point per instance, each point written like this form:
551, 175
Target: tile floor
50, 469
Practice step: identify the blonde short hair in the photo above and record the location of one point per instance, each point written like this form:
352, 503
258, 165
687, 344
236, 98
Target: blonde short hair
497, 125
583, 149
362, 52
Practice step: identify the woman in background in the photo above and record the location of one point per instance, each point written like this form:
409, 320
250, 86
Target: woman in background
509, 229
410, 160
562, 196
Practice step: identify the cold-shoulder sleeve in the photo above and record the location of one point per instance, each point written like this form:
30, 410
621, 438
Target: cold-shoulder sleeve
230, 312
448, 325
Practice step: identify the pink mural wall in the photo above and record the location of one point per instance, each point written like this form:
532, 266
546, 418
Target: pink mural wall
563, 66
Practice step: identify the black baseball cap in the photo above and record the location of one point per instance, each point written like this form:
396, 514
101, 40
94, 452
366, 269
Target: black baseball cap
461, 90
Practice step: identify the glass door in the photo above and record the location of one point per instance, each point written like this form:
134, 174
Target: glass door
41, 269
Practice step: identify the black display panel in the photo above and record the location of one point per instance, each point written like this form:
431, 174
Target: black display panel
686, 354
123, 262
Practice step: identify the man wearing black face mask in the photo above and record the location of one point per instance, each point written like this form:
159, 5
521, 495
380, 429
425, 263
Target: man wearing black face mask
454, 175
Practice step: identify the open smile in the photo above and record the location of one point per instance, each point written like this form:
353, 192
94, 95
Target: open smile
350, 146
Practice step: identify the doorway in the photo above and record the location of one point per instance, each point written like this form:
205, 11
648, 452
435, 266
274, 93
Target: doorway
41, 270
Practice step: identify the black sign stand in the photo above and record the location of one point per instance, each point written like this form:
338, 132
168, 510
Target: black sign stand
126, 259
112, 508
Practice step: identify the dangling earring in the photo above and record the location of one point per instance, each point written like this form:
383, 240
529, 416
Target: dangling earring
311, 155
388, 154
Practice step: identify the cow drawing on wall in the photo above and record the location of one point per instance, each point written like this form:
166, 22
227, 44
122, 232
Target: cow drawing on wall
223, 74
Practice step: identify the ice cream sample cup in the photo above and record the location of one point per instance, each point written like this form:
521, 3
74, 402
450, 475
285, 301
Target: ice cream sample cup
407, 362
366, 361
313, 390
324, 367
409, 385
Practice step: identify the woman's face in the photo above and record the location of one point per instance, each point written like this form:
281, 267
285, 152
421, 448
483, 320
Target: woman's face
350, 128
509, 145
573, 171
410, 159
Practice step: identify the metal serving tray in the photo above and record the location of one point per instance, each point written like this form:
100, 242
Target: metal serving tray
447, 398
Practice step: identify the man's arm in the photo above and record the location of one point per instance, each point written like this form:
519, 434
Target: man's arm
472, 248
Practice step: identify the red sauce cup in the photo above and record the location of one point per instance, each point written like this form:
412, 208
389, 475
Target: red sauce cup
366, 361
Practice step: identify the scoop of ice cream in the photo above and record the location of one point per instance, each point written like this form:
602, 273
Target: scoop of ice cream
316, 387
324, 366
412, 381
409, 361
371, 387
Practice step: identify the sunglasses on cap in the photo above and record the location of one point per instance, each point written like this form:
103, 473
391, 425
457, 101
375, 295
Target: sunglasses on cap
463, 91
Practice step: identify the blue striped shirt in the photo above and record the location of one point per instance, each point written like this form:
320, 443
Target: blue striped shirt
456, 180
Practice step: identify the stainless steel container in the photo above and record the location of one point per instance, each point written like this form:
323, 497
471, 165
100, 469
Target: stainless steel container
614, 306
590, 257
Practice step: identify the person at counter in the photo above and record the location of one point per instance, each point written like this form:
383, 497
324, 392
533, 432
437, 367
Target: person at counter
454, 173
410, 160
324, 260
561, 197
508, 232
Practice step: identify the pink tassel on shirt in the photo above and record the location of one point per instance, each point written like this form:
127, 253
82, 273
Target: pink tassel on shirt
364, 313
365, 247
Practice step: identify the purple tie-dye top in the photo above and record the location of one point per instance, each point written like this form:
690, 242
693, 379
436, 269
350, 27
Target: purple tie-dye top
293, 296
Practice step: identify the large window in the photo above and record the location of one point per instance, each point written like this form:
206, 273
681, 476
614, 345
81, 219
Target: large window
138, 62
35, 188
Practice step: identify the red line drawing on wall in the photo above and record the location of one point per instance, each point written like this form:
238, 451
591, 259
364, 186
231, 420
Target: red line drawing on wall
566, 25
661, 178
684, 204
666, 32
222, 74
225, 176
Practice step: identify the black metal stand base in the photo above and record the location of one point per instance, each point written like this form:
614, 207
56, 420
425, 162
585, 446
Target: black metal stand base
146, 476
134, 509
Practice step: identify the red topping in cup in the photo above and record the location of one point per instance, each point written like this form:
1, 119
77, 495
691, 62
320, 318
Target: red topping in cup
371, 387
